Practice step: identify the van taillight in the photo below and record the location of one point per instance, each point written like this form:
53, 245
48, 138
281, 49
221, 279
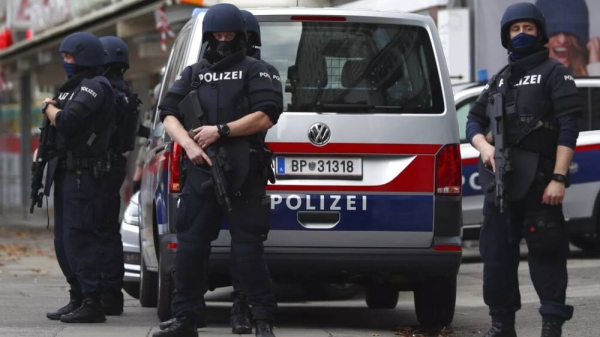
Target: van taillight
175, 174
448, 174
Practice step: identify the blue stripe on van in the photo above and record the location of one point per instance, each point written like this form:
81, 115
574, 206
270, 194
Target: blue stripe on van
584, 169
358, 212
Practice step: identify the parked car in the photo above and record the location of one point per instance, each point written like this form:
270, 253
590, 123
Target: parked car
367, 162
130, 236
581, 205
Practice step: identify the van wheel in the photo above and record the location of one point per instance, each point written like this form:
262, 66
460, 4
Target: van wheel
148, 285
132, 289
381, 297
435, 301
589, 245
166, 287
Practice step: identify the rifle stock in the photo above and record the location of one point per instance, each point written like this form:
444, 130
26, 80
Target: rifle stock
194, 118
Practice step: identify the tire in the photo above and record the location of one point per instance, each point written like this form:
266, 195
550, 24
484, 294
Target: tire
588, 245
166, 287
148, 286
333, 291
435, 301
132, 289
382, 297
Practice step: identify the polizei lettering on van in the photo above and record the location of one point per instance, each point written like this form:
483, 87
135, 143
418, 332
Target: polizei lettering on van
224, 76
327, 202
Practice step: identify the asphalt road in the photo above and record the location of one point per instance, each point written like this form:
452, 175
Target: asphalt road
31, 284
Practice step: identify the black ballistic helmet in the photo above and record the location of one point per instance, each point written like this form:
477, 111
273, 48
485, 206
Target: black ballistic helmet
116, 51
253, 27
522, 11
223, 18
86, 49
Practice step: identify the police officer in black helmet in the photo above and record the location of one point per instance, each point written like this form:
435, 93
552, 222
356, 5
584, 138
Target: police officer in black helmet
541, 107
239, 107
240, 319
82, 115
121, 141
254, 41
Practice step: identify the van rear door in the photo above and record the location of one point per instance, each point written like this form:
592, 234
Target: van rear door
368, 139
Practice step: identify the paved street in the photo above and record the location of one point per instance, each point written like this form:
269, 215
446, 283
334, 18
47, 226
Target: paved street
31, 284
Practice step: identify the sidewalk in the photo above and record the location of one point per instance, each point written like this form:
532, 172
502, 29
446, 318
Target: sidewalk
16, 218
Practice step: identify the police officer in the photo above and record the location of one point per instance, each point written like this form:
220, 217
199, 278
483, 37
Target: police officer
116, 63
239, 107
82, 115
541, 104
240, 319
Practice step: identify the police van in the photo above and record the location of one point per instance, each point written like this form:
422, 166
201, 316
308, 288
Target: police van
581, 205
367, 160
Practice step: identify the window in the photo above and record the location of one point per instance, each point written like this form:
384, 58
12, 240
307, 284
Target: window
462, 111
175, 66
354, 67
590, 117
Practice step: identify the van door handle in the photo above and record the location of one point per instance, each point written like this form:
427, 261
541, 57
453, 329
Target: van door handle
318, 219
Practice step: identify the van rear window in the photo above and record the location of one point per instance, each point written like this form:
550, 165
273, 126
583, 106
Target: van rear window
353, 67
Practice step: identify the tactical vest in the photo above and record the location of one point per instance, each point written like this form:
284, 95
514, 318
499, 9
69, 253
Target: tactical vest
224, 98
91, 141
127, 115
529, 107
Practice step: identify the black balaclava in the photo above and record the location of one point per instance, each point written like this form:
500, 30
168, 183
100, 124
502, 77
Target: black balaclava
524, 45
251, 48
222, 49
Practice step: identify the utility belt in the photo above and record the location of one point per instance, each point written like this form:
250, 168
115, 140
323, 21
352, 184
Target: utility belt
98, 165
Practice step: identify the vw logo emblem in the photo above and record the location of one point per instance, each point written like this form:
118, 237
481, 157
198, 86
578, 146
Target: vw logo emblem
319, 134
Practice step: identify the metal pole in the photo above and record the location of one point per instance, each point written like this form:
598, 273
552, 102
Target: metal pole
3, 100
25, 126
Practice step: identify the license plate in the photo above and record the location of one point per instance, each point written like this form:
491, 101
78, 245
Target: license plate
315, 167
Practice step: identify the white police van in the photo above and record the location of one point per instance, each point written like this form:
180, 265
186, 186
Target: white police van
367, 160
582, 200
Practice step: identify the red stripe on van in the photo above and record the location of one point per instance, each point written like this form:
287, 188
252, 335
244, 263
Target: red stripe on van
333, 148
417, 177
591, 147
582, 148
470, 161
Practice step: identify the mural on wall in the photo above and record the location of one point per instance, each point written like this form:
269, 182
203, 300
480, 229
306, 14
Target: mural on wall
11, 118
573, 28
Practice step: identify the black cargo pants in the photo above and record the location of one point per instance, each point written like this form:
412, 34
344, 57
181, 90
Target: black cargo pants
198, 221
113, 269
543, 228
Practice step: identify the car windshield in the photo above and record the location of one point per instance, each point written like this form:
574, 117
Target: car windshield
353, 67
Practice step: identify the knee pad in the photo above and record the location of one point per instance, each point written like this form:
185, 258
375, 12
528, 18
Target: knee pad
545, 235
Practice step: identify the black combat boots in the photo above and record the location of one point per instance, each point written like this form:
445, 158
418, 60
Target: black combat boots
89, 312
73, 304
184, 326
112, 303
501, 330
240, 316
201, 319
264, 329
552, 327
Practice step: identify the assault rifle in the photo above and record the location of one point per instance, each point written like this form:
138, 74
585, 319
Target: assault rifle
45, 152
194, 118
502, 157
